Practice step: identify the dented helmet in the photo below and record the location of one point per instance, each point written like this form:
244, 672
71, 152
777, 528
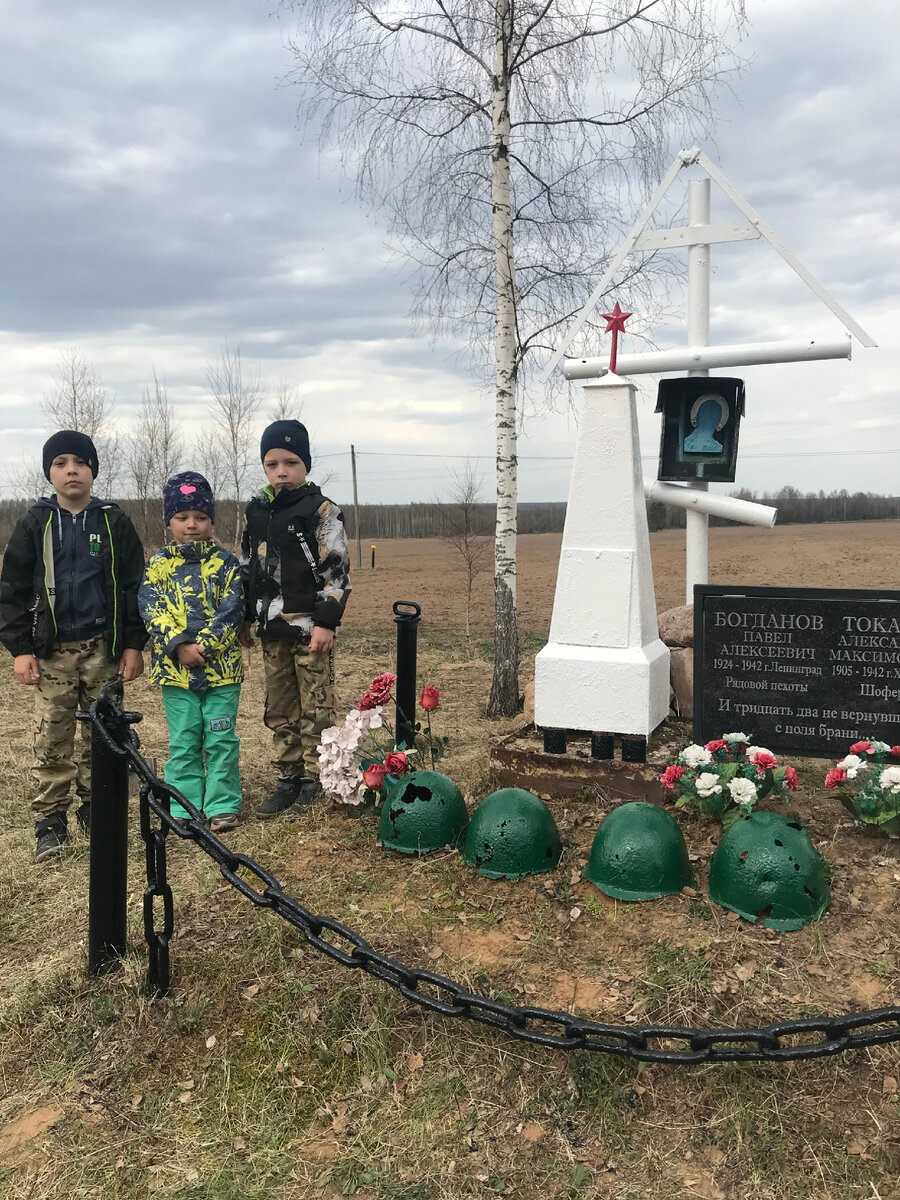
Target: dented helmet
423, 811
638, 854
512, 834
766, 867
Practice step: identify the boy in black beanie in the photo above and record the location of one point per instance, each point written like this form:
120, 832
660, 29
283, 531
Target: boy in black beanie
69, 617
296, 584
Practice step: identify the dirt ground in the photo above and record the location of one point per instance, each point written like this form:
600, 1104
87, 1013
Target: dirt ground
846, 555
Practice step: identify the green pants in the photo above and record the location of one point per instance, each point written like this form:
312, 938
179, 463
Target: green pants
201, 725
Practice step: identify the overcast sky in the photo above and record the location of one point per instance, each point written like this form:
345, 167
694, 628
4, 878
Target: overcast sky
157, 200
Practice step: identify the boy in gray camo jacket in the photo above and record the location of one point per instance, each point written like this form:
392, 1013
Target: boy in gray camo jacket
296, 583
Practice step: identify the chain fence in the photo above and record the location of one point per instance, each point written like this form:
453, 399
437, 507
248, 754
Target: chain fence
784, 1041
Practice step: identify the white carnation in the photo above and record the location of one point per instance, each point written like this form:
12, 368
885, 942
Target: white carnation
890, 780
879, 748
743, 791
695, 756
735, 737
708, 784
752, 751
853, 764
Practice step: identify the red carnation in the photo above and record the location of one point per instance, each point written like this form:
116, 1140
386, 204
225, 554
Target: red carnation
764, 761
396, 762
368, 701
835, 776
895, 751
716, 744
671, 775
373, 776
790, 778
861, 748
430, 698
380, 687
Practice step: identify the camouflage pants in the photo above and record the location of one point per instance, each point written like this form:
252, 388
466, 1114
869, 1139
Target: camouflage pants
70, 680
299, 702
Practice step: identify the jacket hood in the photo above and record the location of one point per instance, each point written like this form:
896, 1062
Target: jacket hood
190, 551
287, 496
52, 502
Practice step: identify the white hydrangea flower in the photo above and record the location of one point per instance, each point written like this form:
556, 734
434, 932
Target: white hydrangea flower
853, 764
889, 779
707, 784
735, 737
695, 756
743, 791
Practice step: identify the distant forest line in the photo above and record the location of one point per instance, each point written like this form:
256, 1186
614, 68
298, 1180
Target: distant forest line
434, 520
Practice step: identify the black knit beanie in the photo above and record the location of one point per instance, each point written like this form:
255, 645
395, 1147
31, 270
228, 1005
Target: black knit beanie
70, 441
286, 435
188, 489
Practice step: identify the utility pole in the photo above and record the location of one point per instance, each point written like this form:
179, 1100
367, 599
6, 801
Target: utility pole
356, 507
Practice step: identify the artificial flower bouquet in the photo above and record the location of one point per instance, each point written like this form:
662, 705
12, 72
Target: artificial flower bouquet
361, 759
727, 776
869, 783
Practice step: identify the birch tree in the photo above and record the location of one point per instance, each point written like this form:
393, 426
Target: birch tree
510, 144
153, 454
79, 400
235, 404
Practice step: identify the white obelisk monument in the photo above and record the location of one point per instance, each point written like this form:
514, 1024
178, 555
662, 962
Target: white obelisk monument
604, 668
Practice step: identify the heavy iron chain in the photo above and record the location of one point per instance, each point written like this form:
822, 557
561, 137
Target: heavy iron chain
785, 1041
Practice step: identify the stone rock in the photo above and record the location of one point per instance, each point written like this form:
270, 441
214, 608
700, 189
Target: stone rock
528, 710
676, 626
682, 668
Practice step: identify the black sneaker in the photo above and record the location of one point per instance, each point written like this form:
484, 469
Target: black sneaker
310, 793
83, 817
52, 834
286, 794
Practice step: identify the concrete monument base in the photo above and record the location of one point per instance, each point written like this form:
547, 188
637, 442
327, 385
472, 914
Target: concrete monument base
601, 688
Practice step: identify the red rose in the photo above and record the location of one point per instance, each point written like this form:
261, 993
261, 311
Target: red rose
380, 687
671, 775
373, 776
861, 748
430, 698
396, 762
835, 776
790, 778
716, 744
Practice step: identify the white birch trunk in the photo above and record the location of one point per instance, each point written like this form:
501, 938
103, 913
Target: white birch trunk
504, 699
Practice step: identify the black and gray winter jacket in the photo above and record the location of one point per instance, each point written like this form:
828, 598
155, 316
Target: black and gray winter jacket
296, 562
69, 576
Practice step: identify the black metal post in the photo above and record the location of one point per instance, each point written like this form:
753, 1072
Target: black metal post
634, 749
554, 741
603, 745
373, 558
109, 855
405, 688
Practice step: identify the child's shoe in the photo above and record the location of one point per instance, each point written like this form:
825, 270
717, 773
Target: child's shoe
52, 834
222, 822
310, 793
286, 794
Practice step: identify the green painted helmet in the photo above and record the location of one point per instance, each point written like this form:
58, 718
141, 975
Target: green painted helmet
639, 854
423, 811
512, 834
766, 866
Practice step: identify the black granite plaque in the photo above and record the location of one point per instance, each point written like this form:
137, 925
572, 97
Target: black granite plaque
802, 670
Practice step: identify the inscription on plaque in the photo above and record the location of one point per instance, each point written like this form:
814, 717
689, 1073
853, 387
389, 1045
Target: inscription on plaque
804, 670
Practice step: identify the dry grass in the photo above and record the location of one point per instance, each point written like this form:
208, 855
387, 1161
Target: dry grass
271, 1072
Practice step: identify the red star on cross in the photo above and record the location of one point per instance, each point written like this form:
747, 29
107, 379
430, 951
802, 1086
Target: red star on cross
615, 323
